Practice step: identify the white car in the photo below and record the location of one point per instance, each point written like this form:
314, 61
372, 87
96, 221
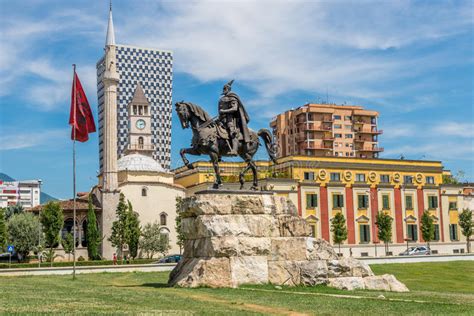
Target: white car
416, 251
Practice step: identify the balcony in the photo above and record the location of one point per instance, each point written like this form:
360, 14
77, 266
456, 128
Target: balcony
317, 146
371, 149
317, 127
368, 130
140, 147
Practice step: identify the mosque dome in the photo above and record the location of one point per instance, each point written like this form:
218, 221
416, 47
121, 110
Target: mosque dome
139, 162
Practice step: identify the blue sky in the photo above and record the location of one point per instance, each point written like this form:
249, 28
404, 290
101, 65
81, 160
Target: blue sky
410, 60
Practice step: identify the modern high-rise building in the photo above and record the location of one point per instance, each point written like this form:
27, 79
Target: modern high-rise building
152, 69
25, 193
323, 130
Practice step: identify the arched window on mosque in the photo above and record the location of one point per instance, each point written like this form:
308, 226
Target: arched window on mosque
144, 191
163, 219
140, 142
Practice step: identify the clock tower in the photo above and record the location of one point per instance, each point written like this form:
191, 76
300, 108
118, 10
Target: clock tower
139, 118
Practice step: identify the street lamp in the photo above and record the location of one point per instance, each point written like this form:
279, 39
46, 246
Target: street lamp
407, 240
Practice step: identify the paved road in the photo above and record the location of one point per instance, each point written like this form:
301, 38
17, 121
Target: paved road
88, 269
412, 259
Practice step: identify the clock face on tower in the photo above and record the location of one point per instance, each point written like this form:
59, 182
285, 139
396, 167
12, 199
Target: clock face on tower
140, 124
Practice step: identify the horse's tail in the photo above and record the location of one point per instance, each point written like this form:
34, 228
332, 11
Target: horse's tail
269, 145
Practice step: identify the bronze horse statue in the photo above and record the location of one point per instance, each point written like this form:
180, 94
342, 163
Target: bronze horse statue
209, 138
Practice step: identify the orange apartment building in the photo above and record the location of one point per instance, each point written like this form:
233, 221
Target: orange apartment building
323, 130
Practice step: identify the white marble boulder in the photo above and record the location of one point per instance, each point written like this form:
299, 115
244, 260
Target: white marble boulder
239, 238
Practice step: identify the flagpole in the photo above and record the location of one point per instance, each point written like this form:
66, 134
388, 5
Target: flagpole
74, 177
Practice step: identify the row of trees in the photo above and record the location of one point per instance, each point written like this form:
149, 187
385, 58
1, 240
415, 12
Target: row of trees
383, 221
27, 232
126, 231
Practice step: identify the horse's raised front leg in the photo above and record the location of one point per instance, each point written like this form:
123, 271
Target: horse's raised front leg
215, 164
191, 151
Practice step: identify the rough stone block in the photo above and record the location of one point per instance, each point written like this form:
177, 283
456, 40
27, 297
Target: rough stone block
293, 226
319, 249
346, 267
230, 246
195, 272
347, 283
386, 282
249, 270
235, 225
288, 248
284, 272
314, 272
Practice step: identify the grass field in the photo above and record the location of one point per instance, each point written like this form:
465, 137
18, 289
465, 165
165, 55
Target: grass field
436, 288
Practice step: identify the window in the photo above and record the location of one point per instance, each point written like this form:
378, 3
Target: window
349, 136
384, 178
364, 233
412, 232
140, 142
337, 117
432, 202
430, 180
436, 232
309, 175
337, 126
409, 202
144, 191
347, 117
453, 232
313, 230
134, 110
311, 200
337, 200
335, 176
347, 126
163, 219
360, 177
338, 135
407, 179
453, 205
385, 201
362, 201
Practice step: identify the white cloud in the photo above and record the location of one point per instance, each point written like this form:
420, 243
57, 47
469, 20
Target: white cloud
12, 141
457, 129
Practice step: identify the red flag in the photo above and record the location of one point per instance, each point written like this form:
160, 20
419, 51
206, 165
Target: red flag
80, 117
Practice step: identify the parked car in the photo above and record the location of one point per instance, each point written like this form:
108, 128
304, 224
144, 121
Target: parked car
416, 251
170, 259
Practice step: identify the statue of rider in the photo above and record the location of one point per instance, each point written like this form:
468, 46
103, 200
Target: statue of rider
233, 117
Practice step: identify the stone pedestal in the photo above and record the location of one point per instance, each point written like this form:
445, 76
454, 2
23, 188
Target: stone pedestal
235, 238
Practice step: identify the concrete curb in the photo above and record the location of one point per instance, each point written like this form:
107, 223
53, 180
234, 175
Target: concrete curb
88, 269
413, 259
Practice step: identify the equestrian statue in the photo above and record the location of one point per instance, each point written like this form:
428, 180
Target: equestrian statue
227, 135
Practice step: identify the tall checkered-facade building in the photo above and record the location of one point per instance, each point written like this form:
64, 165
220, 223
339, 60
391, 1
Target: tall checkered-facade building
153, 69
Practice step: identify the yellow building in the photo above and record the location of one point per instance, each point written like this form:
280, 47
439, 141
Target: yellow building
359, 188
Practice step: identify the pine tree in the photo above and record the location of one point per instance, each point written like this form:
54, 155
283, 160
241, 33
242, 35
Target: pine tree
383, 221
3, 231
339, 229
427, 227
52, 219
467, 225
133, 231
118, 237
92, 234
180, 238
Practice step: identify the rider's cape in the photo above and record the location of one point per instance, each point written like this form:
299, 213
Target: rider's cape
243, 117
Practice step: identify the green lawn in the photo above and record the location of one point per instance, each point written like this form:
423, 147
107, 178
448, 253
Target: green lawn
436, 288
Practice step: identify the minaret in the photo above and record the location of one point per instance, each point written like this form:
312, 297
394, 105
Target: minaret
110, 81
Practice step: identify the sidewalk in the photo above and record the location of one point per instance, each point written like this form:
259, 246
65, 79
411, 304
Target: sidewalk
412, 259
88, 269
